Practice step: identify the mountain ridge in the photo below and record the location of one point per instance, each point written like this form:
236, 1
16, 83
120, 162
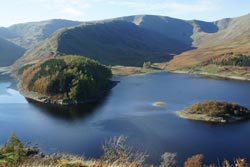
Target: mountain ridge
196, 35
9, 52
29, 34
116, 40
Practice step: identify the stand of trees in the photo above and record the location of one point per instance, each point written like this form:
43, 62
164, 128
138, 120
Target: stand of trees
71, 77
233, 60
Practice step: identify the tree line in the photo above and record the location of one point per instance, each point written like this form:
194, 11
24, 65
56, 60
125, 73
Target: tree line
71, 77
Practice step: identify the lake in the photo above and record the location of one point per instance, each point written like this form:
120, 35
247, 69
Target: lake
128, 110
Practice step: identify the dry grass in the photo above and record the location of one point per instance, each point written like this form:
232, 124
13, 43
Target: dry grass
127, 70
168, 160
202, 54
197, 161
57, 160
116, 154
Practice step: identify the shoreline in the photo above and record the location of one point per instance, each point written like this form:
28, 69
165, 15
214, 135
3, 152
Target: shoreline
5, 71
48, 100
120, 71
33, 96
211, 75
209, 119
134, 71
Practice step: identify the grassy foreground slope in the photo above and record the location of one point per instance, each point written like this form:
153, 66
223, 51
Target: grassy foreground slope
116, 153
73, 79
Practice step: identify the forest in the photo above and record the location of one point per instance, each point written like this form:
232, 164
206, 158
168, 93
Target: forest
233, 59
68, 77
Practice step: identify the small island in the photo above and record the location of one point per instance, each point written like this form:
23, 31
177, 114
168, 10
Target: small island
215, 111
65, 80
159, 104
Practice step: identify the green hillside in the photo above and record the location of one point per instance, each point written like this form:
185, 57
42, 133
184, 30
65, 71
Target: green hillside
111, 43
7, 34
182, 30
25, 36
133, 40
177, 29
28, 35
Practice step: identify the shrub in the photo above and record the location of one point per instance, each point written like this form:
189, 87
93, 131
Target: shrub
168, 160
117, 153
13, 151
147, 64
233, 59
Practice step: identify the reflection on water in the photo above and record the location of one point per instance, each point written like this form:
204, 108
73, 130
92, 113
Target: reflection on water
128, 111
71, 112
67, 113
8, 91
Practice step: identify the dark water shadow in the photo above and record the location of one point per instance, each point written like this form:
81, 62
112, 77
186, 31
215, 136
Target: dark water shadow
70, 113
73, 112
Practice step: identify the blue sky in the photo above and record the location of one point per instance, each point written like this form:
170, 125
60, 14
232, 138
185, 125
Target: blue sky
13, 11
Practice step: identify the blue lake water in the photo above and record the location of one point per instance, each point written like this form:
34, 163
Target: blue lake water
128, 110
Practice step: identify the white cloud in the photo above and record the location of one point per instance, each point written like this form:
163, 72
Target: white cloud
71, 9
167, 6
35, 10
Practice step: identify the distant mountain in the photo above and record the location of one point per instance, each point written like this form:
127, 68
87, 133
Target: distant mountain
9, 52
7, 34
28, 35
233, 35
181, 30
111, 42
177, 29
133, 40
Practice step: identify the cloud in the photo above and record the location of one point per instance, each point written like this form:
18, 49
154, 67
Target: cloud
73, 9
77, 9
36, 10
167, 6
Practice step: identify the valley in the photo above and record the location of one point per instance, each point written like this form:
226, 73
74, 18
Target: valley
69, 86
128, 110
174, 44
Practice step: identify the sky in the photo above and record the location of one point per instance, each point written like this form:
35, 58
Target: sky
20, 11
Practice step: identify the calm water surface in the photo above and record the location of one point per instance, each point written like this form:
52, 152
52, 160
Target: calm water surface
128, 110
